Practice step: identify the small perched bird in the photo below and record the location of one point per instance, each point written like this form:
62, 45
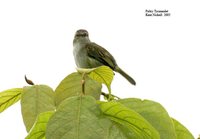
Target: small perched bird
88, 54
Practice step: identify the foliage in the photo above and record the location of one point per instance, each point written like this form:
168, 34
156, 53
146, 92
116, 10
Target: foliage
35, 100
39, 128
9, 97
74, 110
71, 86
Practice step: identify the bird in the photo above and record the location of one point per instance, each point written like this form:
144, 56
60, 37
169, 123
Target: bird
88, 54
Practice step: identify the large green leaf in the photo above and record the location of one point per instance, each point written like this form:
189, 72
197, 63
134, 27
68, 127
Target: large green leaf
39, 128
181, 131
80, 117
76, 118
35, 100
139, 127
71, 86
154, 113
9, 97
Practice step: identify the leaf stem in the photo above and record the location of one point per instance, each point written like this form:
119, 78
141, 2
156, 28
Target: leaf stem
109, 95
83, 83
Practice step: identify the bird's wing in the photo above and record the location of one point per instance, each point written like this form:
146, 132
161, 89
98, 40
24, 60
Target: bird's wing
97, 52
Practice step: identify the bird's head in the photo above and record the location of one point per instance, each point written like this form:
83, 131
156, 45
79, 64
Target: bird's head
81, 36
81, 33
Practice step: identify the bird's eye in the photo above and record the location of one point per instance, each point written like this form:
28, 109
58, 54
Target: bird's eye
81, 35
84, 34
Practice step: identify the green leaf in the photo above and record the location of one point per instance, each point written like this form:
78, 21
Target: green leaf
119, 131
71, 86
138, 126
80, 117
154, 113
102, 74
77, 118
35, 100
181, 131
9, 97
39, 128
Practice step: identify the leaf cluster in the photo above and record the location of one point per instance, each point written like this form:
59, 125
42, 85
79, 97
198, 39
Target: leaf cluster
74, 111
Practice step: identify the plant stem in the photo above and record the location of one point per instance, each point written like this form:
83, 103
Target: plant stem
83, 83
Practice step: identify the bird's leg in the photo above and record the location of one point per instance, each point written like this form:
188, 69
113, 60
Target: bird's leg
83, 83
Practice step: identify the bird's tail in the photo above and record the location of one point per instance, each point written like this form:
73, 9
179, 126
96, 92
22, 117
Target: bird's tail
125, 75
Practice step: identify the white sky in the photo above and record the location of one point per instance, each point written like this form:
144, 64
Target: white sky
161, 53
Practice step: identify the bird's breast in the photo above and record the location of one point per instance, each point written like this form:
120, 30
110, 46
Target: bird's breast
80, 56
82, 59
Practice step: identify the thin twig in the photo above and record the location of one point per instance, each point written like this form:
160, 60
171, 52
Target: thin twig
107, 96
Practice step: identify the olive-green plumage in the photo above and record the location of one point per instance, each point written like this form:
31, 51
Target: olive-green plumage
90, 55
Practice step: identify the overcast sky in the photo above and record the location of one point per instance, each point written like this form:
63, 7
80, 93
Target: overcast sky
161, 53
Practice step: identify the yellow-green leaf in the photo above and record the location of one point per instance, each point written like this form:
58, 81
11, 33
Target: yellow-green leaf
9, 97
137, 126
181, 131
102, 74
39, 128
